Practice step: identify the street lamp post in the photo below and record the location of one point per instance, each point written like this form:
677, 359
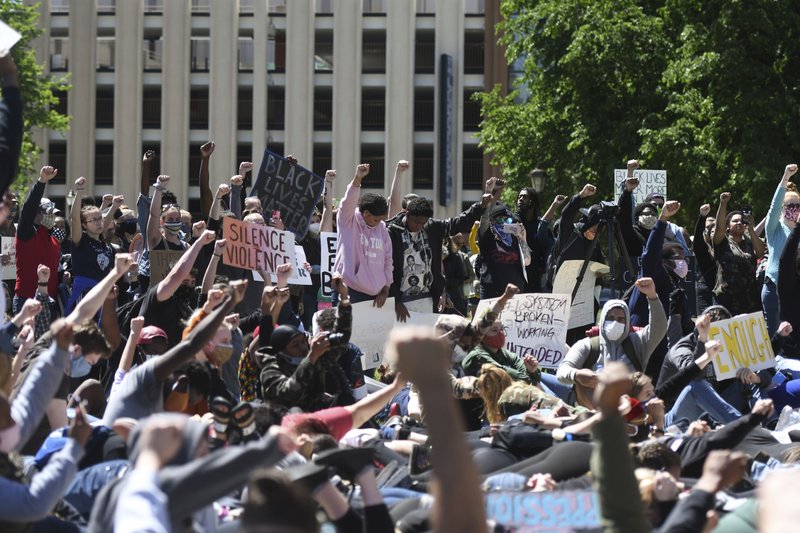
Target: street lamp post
538, 178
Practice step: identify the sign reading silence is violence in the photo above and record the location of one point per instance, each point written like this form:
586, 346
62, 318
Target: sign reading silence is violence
288, 188
256, 247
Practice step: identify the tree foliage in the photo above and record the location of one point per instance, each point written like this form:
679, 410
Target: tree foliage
706, 90
38, 89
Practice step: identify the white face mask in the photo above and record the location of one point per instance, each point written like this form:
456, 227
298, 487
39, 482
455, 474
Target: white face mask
647, 221
313, 229
681, 268
613, 330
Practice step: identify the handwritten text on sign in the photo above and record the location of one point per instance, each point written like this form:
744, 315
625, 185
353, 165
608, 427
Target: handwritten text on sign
329, 243
9, 250
161, 262
535, 324
650, 181
256, 247
290, 189
544, 511
582, 309
745, 344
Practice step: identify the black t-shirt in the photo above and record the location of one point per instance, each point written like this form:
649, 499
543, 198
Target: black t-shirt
168, 315
500, 266
92, 258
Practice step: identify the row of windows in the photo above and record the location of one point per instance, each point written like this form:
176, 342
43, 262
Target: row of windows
373, 53
422, 162
247, 7
373, 109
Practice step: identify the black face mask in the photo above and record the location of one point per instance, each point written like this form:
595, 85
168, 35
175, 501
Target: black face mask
128, 227
185, 293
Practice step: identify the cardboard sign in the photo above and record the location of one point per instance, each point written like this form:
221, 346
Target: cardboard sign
290, 189
535, 324
300, 275
329, 242
255, 246
650, 181
160, 261
745, 344
582, 309
8, 248
557, 511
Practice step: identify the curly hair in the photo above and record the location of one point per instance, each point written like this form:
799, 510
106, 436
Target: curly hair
492, 381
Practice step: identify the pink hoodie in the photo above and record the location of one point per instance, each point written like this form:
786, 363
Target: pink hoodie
364, 257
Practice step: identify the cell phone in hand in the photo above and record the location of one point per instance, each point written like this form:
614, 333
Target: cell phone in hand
276, 215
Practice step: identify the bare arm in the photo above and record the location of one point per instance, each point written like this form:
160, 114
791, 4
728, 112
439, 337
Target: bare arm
211, 270
371, 404
91, 303
75, 212
326, 224
167, 287
144, 183
759, 247
722, 212
153, 226
550, 214
108, 218
126, 361
395, 199
205, 191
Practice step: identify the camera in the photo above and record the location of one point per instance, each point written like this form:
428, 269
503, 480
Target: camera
336, 339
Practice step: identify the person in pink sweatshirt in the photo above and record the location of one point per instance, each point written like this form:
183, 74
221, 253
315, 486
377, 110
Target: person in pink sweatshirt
364, 257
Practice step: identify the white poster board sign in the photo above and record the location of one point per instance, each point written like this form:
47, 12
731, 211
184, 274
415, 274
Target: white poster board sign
300, 276
535, 324
582, 309
745, 343
8, 249
329, 242
650, 181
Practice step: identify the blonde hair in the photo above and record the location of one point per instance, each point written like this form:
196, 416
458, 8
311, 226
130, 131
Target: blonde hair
492, 381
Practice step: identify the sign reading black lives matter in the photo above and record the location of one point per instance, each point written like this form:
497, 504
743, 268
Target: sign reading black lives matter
290, 189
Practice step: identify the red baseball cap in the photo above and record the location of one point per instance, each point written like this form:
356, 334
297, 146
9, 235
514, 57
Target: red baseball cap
149, 333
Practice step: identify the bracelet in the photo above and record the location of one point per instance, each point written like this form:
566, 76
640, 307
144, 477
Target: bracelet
218, 255
43, 284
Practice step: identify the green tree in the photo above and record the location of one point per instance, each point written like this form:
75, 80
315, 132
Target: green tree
706, 90
38, 89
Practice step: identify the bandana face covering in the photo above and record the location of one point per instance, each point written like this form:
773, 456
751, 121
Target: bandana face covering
49, 220
790, 213
648, 222
58, 233
500, 233
173, 227
221, 354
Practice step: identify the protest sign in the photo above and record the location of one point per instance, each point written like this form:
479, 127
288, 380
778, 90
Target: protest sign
372, 330
8, 249
160, 263
290, 189
329, 242
422, 305
744, 343
582, 309
562, 511
300, 275
535, 324
255, 246
650, 181
8, 37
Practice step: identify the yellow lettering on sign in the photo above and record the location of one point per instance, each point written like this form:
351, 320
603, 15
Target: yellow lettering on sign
713, 332
732, 346
754, 328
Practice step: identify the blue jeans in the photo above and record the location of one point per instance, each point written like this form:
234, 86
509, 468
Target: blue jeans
771, 305
697, 398
551, 385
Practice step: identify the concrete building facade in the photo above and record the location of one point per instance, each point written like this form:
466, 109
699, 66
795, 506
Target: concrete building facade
333, 82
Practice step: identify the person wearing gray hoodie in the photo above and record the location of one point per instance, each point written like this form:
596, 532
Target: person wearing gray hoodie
615, 333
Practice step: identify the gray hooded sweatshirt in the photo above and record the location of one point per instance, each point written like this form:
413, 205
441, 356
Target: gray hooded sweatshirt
644, 342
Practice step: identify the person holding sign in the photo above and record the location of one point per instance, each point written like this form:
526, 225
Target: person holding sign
364, 257
736, 255
616, 341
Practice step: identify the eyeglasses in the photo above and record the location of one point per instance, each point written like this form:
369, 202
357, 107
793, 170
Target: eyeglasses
792, 206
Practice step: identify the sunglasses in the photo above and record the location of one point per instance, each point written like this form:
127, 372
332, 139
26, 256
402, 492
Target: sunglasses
792, 206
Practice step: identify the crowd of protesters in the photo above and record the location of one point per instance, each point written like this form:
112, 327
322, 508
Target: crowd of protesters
211, 398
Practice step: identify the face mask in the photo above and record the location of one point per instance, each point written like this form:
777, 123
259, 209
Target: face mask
459, 354
128, 227
790, 213
648, 222
221, 354
313, 229
613, 330
680, 268
49, 220
184, 293
495, 342
294, 361
9, 438
58, 234
79, 367
186, 229
173, 227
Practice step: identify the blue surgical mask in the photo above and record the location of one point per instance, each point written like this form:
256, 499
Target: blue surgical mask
79, 367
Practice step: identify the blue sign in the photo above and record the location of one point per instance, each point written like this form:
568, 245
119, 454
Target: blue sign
561, 511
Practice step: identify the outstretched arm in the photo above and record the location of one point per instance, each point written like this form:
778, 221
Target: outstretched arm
395, 198
75, 212
167, 287
722, 213
326, 223
91, 303
144, 181
205, 191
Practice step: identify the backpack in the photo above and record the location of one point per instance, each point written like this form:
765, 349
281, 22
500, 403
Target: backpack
584, 395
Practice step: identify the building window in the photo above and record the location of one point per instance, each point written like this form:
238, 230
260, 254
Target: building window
201, 51
276, 105
322, 159
373, 52
104, 164
153, 51
198, 109
472, 112
57, 158
244, 109
276, 52
277, 6
106, 7
423, 109
422, 166
323, 52
105, 54
246, 7
473, 53
59, 7
153, 7
324, 7
323, 109
63, 102
245, 53
59, 54
475, 7
424, 52
151, 108
472, 161
201, 7
426, 7
194, 164
104, 108
373, 109
374, 155
374, 7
